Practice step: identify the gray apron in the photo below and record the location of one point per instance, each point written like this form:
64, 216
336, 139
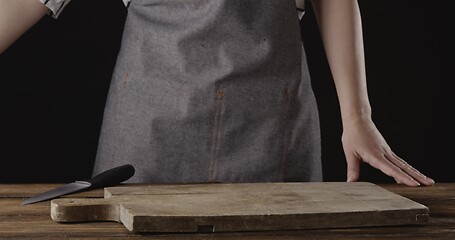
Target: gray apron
211, 91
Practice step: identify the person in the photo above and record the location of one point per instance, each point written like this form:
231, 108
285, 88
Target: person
219, 91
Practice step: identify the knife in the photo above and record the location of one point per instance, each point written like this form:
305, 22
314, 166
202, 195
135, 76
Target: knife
105, 179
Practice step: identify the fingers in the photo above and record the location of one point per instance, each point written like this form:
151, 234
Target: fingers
408, 169
386, 166
381, 163
400, 170
353, 170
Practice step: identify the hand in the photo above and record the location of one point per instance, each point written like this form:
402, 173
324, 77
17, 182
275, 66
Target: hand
363, 142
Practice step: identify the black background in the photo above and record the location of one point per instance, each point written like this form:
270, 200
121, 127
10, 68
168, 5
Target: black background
52, 98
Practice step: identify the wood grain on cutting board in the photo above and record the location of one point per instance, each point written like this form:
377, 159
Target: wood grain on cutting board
244, 207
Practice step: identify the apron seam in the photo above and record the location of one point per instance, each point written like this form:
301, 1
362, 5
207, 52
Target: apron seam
284, 143
216, 134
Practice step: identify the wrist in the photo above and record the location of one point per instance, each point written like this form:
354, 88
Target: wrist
357, 116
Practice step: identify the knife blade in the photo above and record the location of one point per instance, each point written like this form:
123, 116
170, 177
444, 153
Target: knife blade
105, 179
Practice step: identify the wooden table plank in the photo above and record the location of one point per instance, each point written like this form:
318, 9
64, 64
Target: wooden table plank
439, 198
36, 227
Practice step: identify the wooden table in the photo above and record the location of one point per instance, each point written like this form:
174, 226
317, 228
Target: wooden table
34, 222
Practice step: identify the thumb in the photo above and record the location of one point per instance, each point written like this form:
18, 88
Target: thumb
353, 168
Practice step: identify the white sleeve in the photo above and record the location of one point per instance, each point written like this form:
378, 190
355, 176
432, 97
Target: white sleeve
55, 6
126, 2
300, 5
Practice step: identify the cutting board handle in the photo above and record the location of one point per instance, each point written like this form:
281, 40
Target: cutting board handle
85, 210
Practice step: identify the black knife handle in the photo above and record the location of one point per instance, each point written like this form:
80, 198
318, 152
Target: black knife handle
112, 176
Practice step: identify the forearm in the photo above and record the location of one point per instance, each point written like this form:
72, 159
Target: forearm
341, 31
16, 17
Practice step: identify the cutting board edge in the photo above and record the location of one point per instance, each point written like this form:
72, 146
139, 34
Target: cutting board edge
181, 224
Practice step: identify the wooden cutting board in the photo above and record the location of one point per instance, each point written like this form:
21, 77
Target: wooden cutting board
243, 207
